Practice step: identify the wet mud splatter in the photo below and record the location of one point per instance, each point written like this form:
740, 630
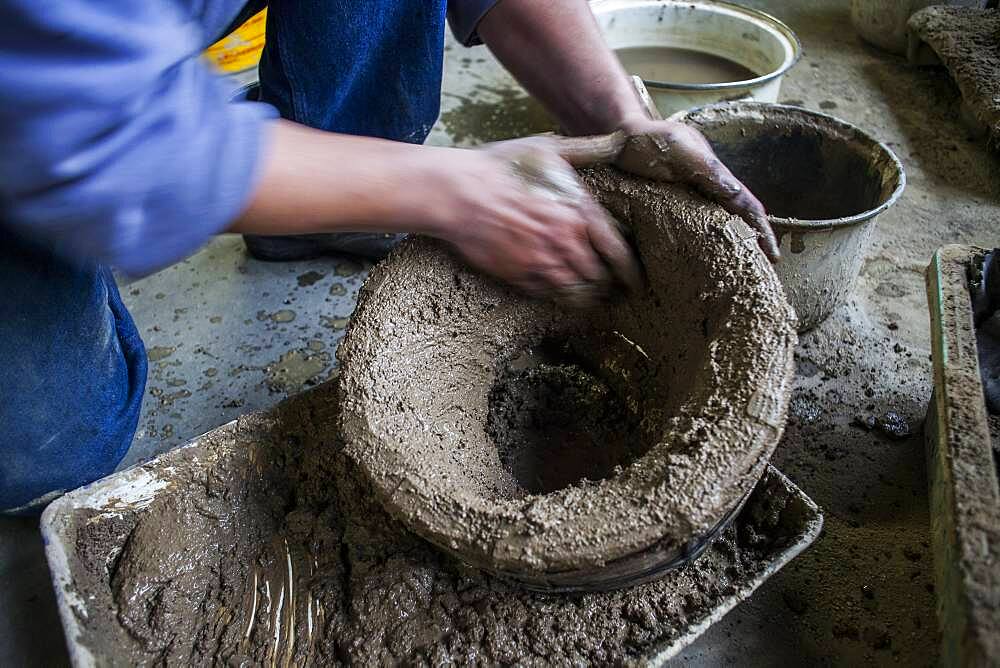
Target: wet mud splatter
349, 268
507, 114
158, 353
284, 315
295, 370
309, 278
890, 424
334, 323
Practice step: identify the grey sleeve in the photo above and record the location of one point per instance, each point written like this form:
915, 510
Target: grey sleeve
464, 17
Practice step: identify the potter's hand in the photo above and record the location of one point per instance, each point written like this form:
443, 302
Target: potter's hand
670, 151
517, 211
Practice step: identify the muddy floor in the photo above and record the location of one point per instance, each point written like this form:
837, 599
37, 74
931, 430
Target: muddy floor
269, 548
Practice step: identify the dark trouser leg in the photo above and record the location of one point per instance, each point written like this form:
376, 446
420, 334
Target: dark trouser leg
72, 375
361, 67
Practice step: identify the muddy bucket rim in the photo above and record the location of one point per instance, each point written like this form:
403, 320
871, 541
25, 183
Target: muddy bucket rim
745, 110
776, 23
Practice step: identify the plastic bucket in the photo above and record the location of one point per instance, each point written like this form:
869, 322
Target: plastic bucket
758, 42
823, 181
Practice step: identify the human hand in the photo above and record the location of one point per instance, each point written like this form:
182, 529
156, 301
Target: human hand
516, 210
675, 152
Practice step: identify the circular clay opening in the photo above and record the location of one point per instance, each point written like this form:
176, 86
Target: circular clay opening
572, 449
559, 416
802, 165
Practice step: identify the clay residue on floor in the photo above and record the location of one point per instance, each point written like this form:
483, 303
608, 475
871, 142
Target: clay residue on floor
309, 278
269, 548
284, 315
159, 353
296, 369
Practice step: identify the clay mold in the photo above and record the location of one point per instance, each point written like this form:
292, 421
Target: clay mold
567, 449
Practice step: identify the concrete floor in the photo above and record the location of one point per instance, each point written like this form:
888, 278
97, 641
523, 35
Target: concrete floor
227, 335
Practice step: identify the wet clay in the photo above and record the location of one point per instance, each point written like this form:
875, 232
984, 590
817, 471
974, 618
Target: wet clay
693, 371
268, 548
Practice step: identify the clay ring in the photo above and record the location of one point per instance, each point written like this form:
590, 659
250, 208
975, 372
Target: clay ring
567, 449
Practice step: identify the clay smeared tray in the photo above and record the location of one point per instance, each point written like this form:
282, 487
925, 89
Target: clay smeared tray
111, 509
964, 492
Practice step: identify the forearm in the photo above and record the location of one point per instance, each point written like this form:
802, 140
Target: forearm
315, 181
557, 52
513, 209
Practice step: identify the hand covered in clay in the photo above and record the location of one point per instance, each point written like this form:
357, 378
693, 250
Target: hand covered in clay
525, 218
671, 151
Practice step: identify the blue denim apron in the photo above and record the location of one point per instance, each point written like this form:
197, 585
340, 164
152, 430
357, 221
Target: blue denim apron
361, 67
72, 364
72, 369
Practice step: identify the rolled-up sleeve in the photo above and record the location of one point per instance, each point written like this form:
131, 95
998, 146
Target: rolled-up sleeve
117, 144
464, 16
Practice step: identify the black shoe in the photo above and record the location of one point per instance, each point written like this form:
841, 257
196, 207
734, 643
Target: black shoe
310, 246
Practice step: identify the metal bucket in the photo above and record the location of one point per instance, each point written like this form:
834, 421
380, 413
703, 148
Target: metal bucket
747, 37
824, 182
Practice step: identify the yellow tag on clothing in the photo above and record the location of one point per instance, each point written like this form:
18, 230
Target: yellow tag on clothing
239, 50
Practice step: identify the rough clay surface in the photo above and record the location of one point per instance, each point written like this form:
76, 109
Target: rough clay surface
965, 499
554, 424
270, 548
995, 438
967, 40
700, 361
